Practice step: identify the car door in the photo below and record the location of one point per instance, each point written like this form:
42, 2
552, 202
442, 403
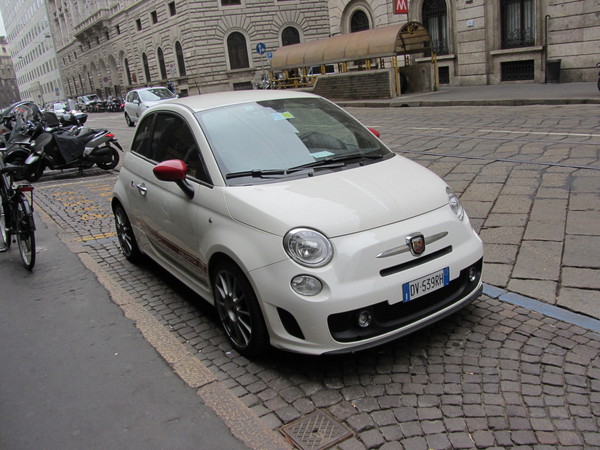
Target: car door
170, 221
136, 106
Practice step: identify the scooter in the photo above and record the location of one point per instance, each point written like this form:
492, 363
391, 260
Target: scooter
58, 150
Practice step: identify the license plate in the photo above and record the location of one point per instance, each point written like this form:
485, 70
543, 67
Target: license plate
425, 285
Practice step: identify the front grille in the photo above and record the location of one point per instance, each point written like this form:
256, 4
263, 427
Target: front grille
416, 262
344, 326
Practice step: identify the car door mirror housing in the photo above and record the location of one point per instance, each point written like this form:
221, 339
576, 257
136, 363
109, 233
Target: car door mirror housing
174, 170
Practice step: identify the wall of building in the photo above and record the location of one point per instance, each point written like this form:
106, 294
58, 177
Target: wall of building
9, 93
93, 55
34, 59
565, 30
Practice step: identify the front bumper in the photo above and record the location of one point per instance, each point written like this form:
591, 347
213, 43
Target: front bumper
357, 280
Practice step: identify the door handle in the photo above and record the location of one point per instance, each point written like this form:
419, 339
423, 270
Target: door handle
142, 188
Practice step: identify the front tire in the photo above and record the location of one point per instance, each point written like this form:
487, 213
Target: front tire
113, 162
238, 310
25, 232
129, 121
35, 173
127, 241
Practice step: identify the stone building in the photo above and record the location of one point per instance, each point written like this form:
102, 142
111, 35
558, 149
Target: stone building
8, 83
108, 46
482, 42
32, 49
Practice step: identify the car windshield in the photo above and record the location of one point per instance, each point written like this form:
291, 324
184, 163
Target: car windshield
91, 98
152, 95
254, 142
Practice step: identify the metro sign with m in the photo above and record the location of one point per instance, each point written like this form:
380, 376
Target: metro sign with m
401, 6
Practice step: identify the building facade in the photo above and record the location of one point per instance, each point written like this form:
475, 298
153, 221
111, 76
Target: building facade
108, 47
480, 42
9, 93
34, 58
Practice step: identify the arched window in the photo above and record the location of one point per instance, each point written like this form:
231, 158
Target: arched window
289, 36
180, 60
435, 19
359, 22
127, 71
517, 17
161, 64
238, 51
146, 67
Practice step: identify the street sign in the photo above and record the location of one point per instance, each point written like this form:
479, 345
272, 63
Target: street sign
261, 48
401, 7
269, 55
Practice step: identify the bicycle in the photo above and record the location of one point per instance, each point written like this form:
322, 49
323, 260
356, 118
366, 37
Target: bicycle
16, 215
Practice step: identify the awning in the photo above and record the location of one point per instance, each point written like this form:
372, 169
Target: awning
412, 37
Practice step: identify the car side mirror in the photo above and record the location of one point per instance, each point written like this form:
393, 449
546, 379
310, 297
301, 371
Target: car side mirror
174, 170
375, 132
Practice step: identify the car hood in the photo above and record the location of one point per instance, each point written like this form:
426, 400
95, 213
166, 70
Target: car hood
149, 103
340, 203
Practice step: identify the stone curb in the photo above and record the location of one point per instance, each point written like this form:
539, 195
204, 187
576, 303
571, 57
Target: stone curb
396, 103
546, 309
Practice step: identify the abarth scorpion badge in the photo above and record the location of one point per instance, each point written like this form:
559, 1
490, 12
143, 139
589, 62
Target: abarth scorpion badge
416, 243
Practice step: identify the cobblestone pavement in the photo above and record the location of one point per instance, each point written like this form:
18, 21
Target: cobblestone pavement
492, 375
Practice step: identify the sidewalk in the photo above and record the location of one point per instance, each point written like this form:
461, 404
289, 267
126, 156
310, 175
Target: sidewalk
494, 95
75, 373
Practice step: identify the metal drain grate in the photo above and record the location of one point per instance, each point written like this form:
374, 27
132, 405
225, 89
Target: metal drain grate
316, 431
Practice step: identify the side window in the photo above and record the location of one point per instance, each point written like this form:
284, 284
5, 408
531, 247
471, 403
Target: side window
173, 139
140, 140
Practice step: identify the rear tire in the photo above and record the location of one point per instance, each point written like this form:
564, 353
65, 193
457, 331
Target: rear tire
114, 161
127, 241
25, 233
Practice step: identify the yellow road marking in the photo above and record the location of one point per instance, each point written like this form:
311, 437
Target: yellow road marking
96, 237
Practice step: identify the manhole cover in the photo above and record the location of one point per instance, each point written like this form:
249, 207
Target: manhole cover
316, 431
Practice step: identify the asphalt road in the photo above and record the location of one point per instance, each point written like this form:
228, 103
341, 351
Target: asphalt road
495, 374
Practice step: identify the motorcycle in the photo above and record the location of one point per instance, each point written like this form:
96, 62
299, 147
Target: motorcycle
58, 148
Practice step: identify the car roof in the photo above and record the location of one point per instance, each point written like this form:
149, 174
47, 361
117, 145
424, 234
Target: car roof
147, 88
218, 99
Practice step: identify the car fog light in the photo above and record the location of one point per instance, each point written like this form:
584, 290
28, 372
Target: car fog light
364, 319
306, 285
472, 274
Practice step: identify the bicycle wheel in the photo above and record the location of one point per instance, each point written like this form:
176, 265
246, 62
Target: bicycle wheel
25, 232
4, 229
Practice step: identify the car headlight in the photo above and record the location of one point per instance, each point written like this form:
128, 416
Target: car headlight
308, 247
455, 204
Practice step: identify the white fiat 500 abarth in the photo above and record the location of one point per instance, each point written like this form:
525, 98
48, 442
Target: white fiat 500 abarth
301, 227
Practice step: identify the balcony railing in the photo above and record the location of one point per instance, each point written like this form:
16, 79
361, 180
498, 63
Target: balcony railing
96, 21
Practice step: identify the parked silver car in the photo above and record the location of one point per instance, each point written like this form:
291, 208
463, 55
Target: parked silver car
139, 100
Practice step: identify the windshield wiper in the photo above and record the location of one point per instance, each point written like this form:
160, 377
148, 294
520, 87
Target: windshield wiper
327, 163
256, 173
333, 162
